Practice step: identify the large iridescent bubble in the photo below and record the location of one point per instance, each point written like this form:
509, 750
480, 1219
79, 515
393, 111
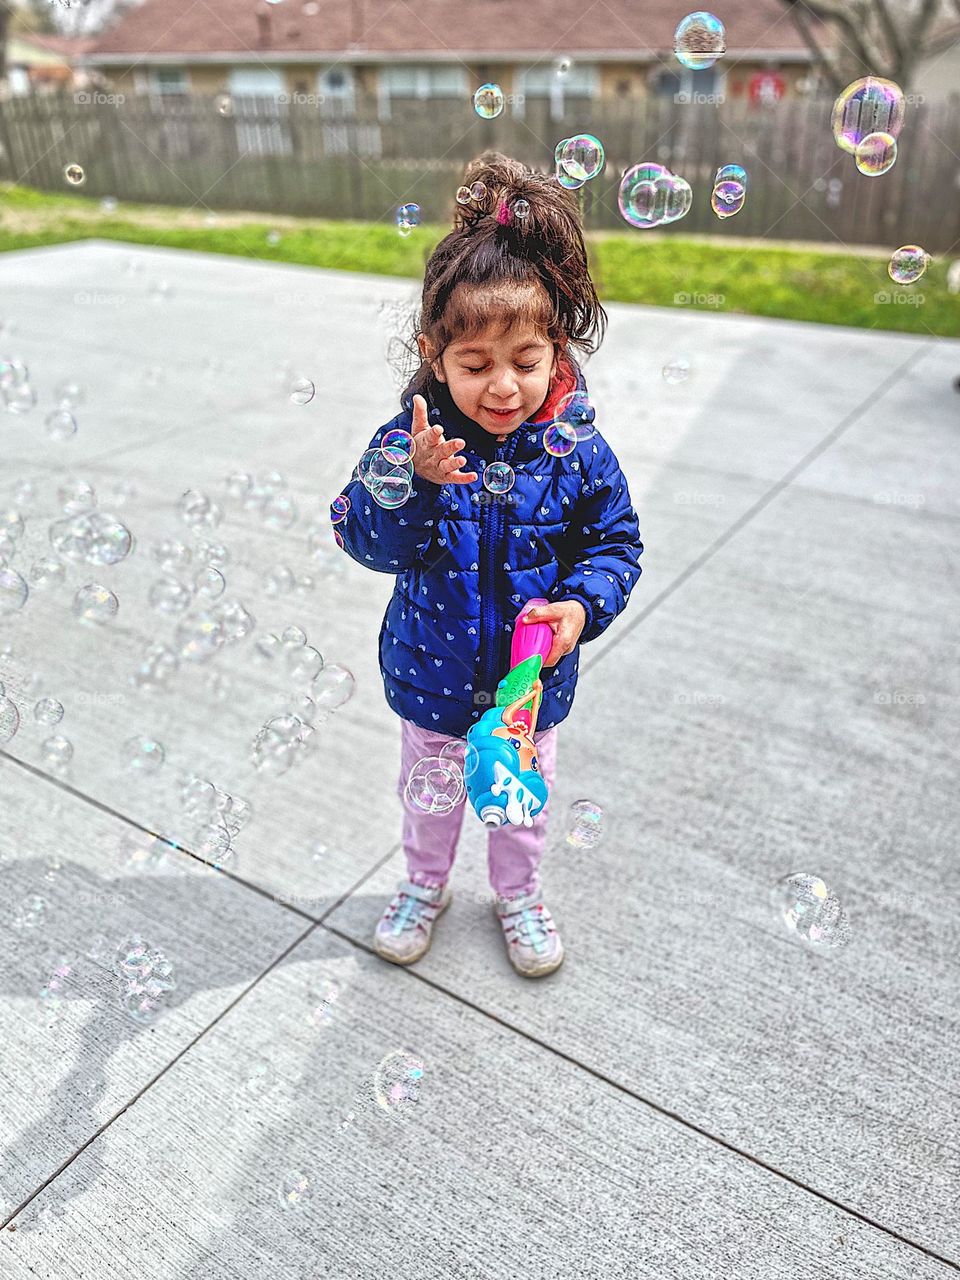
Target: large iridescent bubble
870, 105
699, 40
651, 196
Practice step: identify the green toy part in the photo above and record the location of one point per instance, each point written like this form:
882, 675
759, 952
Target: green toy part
519, 680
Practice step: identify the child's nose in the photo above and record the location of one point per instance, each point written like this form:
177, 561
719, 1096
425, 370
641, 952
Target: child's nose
504, 384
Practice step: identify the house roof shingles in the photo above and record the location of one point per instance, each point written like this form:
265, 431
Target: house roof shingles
497, 29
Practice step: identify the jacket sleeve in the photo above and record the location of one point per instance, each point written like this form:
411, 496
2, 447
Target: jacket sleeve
389, 539
603, 548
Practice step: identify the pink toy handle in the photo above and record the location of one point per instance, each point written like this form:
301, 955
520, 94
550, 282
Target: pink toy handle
536, 638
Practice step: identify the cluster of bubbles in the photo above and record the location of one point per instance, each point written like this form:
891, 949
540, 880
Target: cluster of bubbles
811, 911
866, 121
145, 976
651, 196
211, 819
56, 752
488, 101
574, 421
18, 396
385, 472
585, 824
476, 193
699, 40
285, 738
435, 784
577, 160
268, 496
729, 190
407, 217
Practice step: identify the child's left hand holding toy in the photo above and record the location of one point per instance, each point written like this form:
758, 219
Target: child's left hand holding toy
566, 619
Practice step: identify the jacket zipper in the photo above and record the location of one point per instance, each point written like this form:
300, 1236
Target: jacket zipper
490, 536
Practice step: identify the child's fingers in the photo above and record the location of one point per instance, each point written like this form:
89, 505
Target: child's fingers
419, 415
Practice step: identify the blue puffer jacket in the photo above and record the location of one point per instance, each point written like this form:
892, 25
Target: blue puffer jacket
466, 560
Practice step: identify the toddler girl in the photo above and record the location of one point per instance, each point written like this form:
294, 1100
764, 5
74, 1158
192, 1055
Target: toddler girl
506, 296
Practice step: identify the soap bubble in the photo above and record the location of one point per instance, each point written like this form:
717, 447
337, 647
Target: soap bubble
585, 824
19, 398
876, 154
463, 195
169, 596
521, 209
74, 174
576, 411
195, 509
156, 668
478, 191
870, 105
391, 491
699, 40
581, 156
9, 718
48, 711
811, 910
91, 536
333, 687
143, 754
676, 371
488, 101
727, 199
13, 591
56, 752
398, 445
908, 264
295, 1190
559, 439
651, 196
60, 424
396, 1084
199, 636
209, 583
302, 391
434, 786
95, 603
407, 217
731, 173
498, 477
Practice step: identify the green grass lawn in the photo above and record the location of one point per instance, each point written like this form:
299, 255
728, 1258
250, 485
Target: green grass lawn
666, 271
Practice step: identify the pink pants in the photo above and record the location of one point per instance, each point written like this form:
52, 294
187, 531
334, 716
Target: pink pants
430, 840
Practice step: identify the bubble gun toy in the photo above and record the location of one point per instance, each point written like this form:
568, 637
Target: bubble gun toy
504, 783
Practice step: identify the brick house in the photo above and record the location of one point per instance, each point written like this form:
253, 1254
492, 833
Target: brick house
347, 54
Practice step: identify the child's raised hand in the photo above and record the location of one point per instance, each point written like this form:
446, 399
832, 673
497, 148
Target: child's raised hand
435, 458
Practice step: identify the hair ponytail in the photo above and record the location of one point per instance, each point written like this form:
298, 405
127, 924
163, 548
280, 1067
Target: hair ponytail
520, 252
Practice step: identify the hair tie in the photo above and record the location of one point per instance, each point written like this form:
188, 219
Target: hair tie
503, 213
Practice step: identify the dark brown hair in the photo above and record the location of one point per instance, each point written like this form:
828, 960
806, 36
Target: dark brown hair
504, 263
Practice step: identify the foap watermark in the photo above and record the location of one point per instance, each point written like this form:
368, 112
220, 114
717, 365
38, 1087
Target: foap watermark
291, 299
884, 298
692, 498
898, 698
699, 99
698, 698
487, 499
713, 300
93, 98
98, 699
483, 698
893, 498
299, 99
87, 299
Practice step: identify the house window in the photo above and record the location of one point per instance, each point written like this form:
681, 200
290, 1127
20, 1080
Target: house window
168, 80
260, 99
408, 80
336, 83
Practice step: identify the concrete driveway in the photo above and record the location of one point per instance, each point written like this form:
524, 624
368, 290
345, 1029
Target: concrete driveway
697, 1092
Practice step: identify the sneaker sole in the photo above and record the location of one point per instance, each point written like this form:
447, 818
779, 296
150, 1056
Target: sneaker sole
540, 973
405, 960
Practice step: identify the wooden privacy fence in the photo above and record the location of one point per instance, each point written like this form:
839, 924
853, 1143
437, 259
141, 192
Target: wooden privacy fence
289, 155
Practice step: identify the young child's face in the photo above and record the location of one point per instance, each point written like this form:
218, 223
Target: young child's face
498, 378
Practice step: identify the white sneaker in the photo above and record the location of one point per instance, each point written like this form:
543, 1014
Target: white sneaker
533, 944
406, 926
